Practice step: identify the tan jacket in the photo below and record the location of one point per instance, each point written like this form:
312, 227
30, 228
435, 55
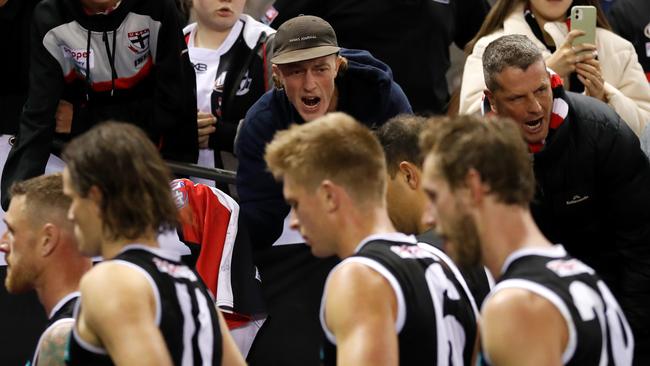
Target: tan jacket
626, 87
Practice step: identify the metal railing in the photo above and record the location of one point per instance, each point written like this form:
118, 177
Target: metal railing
193, 170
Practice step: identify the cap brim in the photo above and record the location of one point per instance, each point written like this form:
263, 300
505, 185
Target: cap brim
305, 54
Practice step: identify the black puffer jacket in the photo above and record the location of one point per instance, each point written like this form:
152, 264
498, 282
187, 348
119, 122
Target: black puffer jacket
593, 196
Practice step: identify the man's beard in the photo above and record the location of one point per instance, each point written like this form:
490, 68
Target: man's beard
464, 245
18, 282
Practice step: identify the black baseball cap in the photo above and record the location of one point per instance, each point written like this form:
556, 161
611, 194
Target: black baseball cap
304, 37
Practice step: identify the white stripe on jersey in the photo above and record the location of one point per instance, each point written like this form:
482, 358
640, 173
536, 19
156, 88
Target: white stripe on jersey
205, 336
185, 303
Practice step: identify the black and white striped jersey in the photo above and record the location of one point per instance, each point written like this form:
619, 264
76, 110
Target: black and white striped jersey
599, 333
185, 312
436, 313
61, 313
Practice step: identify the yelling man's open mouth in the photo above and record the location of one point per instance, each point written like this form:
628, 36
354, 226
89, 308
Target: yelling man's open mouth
310, 101
533, 126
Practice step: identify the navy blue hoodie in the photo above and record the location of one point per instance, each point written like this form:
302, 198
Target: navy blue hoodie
292, 278
367, 92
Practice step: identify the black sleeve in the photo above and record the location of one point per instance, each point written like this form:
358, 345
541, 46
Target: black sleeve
223, 138
623, 175
31, 149
469, 18
175, 91
262, 204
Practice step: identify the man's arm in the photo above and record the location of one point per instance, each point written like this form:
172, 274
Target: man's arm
522, 328
262, 204
31, 150
53, 344
175, 90
361, 310
118, 313
231, 354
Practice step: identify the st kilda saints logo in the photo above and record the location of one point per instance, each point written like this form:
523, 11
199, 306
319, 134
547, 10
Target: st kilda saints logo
139, 40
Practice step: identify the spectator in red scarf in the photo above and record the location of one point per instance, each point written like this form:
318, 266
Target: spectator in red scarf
592, 176
608, 70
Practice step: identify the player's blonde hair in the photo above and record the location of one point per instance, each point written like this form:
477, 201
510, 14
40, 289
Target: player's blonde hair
334, 147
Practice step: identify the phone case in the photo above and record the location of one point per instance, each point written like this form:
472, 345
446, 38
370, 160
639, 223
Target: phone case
584, 18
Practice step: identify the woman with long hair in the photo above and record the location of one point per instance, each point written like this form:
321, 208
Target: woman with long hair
608, 71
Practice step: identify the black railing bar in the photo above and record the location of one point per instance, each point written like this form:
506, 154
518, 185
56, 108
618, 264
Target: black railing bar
193, 170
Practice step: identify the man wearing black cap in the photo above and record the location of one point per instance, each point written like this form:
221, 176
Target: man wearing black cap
314, 76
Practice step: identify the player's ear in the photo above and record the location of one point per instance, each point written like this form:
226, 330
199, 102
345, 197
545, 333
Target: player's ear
477, 189
95, 194
49, 239
330, 195
411, 174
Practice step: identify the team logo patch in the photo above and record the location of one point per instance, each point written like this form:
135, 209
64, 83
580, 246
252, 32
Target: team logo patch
411, 251
139, 40
179, 194
174, 270
219, 82
270, 15
646, 31
244, 85
571, 267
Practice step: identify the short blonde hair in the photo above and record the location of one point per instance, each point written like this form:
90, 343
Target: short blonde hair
334, 147
44, 200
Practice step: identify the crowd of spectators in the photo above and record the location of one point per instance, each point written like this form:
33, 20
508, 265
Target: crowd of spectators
213, 86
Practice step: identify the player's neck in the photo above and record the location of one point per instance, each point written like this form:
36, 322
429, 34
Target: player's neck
205, 37
3, 2
361, 224
56, 287
111, 248
504, 230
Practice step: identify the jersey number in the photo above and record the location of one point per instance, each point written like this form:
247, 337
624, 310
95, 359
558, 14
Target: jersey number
450, 331
610, 318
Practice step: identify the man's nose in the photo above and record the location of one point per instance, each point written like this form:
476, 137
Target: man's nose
294, 223
310, 81
4, 243
428, 216
534, 106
